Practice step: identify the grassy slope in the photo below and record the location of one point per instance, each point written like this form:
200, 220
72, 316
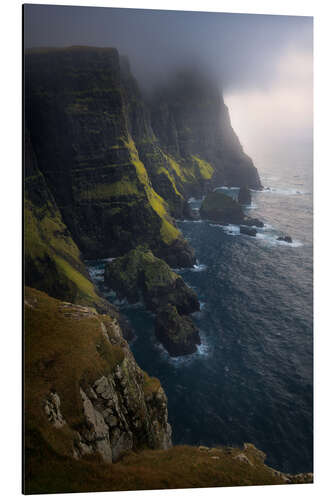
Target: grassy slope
66, 350
52, 258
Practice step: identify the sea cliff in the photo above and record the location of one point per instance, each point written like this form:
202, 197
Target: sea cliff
107, 172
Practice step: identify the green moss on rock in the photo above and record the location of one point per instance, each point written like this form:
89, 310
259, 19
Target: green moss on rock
139, 275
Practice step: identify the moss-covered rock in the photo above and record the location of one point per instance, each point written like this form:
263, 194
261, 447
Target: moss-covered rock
139, 275
219, 207
176, 332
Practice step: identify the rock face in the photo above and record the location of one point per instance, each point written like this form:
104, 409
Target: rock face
52, 260
177, 333
221, 208
190, 119
139, 275
120, 168
82, 114
244, 196
85, 394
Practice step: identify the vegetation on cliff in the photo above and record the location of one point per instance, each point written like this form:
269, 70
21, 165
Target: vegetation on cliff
85, 396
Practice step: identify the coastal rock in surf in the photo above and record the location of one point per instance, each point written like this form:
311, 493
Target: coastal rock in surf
249, 221
219, 207
177, 333
139, 275
287, 239
244, 196
250, 231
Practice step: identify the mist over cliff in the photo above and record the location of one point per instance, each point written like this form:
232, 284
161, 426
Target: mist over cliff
262, 63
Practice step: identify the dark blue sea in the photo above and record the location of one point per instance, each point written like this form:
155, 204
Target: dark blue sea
251, 379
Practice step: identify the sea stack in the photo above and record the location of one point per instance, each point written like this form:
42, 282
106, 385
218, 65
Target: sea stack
244, 196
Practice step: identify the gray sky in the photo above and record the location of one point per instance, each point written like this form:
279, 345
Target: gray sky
263, 63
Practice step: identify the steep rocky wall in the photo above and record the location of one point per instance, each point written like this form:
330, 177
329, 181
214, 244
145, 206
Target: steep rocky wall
78, 115
84, 393
52, 261
190, 119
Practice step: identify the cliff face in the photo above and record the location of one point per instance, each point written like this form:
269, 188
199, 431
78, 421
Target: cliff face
80, 116
192, 122
85, 394
52, 261
118, 167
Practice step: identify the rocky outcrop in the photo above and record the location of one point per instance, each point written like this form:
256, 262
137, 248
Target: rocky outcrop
219, 207
85, 394
244, 196
140, 276
177, 333
286, 239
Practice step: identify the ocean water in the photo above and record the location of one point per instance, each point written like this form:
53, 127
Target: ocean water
251, 379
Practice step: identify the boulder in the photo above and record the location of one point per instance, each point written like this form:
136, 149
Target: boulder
249, 221
287, 239
250, 231
177, 333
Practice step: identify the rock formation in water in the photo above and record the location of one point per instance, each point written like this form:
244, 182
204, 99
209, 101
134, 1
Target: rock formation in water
140, 276
176, 332
286, 239
219, 207
244, 196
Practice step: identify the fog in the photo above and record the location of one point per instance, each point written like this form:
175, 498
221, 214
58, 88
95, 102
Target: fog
263, 64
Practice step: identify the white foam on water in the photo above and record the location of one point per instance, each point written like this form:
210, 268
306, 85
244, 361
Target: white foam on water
271, 240
284, 191
195, 200
251, 207
203, 350
231, 188
197, 268
191, 220
230, 229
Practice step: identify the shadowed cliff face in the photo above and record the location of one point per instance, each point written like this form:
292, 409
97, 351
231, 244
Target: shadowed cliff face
120, 168
79, 117
191, 120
